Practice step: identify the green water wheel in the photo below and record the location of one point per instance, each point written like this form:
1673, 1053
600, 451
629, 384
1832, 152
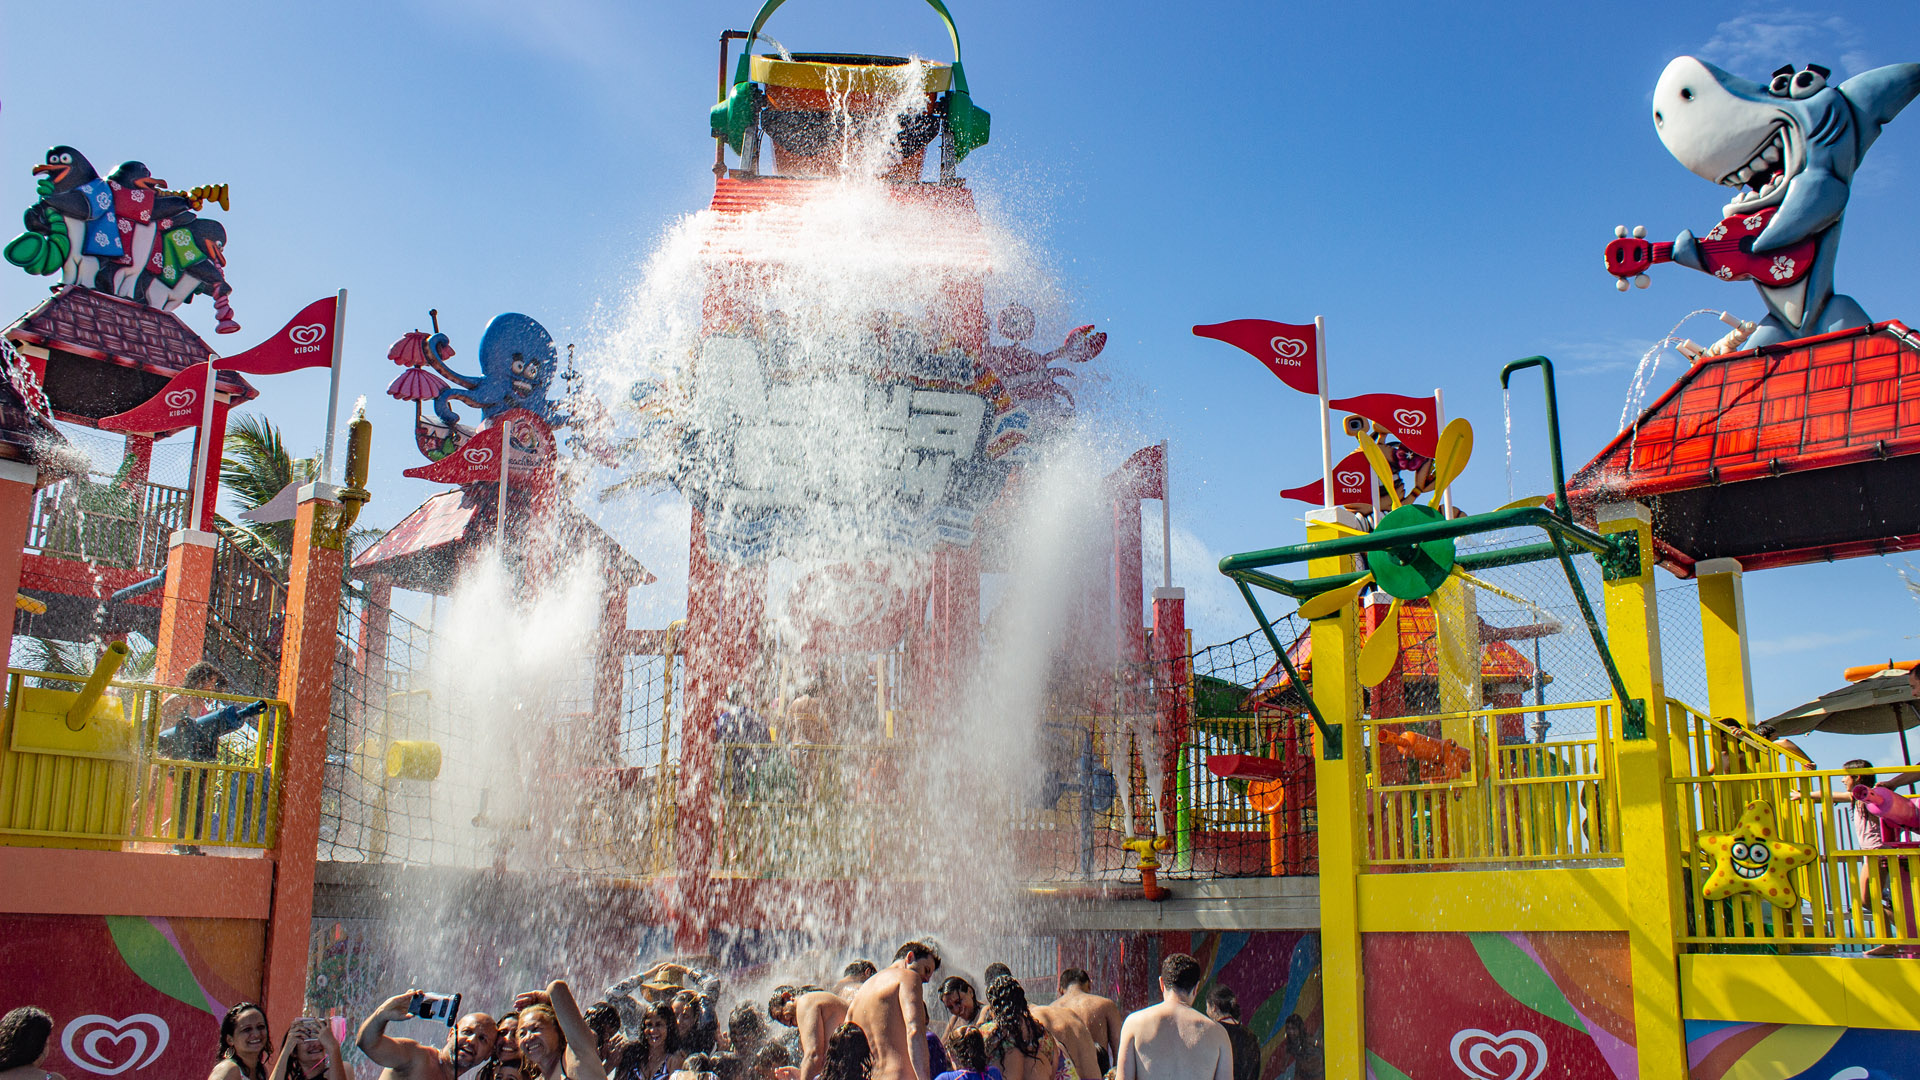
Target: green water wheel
1414, 570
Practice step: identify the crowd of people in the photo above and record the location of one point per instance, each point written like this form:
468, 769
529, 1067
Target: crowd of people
874, 1024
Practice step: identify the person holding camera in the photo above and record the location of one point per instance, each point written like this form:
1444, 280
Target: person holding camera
309, 1052
469, 1042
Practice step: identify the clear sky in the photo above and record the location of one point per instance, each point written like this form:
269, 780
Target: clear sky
1436, 180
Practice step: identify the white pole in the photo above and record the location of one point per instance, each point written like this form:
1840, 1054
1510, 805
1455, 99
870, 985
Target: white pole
204, 450
1166, 518
1326, 419
333, 389
1439, 424
500, 506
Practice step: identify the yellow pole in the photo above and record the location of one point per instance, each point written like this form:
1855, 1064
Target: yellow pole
1342, 803
1649, 847
96, 685
1723, 636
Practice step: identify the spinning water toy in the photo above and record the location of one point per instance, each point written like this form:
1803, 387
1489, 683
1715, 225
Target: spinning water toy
1753, 859
1147, 848
1789, 148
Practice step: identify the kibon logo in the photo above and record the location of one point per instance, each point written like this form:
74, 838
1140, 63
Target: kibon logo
181, 399
1513, 1055
1287, 348
1350, 479
477, 456
109, 1047
307, 338
1409, 418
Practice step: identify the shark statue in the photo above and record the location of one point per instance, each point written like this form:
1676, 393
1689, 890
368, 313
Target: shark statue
1789, 147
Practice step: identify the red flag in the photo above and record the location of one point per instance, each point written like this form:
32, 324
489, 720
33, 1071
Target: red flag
1142, 476
1352, 484
176, 406
1289, 351
1410, 419
305, 342
477, 459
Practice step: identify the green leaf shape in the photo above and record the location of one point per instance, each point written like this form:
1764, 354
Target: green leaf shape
1523, 979
152, 957
1383, 1071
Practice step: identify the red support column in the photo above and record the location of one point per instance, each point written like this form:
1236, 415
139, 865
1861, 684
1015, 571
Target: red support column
1127, 589
184, 605
306, 681
17, 481
1172, 676
610, 662
210, 490
370, 659
725, 602
140, 449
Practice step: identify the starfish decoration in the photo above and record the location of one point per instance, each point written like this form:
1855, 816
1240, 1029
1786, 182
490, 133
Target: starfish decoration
1752, 858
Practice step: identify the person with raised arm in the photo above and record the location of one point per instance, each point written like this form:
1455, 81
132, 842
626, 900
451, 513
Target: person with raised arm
569, 1051
469, 1043
309, 1052
1172, 1040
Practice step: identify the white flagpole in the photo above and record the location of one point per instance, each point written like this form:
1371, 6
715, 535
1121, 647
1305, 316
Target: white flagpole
1166, 519
1439, 424
333, 389
1326, 418
199, 516
500, 506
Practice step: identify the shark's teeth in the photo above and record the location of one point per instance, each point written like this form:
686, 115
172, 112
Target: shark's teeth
1764, 161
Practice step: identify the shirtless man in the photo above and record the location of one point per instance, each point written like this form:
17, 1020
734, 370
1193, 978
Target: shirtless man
1101, 1015
855, 976
400, 1058
1072, 1034
816, 1014
891, 1010
1172, 1041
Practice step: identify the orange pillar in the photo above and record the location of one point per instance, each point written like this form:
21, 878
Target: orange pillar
17, 480
184, 605
306, 682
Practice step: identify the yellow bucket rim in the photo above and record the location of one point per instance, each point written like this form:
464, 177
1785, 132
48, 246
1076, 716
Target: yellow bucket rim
803, 73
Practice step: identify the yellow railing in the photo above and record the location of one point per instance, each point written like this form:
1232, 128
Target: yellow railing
109, 782
1846, 898
1456, 796
1212, 803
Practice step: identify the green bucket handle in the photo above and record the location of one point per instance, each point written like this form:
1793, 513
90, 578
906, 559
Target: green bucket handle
969, 123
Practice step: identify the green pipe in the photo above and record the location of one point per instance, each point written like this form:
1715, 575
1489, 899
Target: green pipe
1633, 712
1183, 810
1493, 521
1553, 425
1329, 737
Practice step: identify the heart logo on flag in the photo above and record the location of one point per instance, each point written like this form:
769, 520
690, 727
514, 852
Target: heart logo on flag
1288, 348
309, 334
1514, 1055
1412, 418
477, 455
108, 1047
180, 399
1350, 479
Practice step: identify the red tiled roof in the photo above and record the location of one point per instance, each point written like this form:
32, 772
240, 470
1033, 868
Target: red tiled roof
1419, 654
428, 547
1846, 404
101, 326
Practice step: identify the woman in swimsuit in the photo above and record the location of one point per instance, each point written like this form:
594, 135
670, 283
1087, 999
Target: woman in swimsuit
25, 1035
656, 1054
1015, 1040
548, 1021
309, 1052
244, 1044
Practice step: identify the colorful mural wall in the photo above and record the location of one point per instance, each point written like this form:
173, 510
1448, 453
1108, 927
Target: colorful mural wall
1721, 1050
130, 996
1502, 1006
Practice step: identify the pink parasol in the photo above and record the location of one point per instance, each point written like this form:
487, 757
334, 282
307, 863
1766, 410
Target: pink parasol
416, 384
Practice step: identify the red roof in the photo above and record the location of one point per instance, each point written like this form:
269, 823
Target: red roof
427, 550
101, 326
1844, 404
1419, 654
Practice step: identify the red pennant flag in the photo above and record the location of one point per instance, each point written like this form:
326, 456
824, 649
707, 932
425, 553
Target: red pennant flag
1289, 350
1352, 484
1410, 419
305, 342
477, 459
1142, 476
176, 406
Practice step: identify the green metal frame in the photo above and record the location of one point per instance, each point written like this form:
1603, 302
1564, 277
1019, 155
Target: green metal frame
1562, 535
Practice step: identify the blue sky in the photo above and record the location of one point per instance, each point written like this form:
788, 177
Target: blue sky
1436, 180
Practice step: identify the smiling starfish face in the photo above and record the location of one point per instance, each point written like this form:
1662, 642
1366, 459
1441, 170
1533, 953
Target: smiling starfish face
1752, 858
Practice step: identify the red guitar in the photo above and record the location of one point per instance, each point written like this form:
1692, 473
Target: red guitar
1727, 250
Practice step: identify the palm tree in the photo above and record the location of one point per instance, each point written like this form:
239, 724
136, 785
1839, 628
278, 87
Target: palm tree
255, 468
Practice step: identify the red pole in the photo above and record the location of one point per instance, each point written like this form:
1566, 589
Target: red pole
1173, 675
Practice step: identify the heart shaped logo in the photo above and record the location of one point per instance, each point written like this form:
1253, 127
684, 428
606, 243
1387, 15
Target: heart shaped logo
1514, 1055
181, 399
1409, 418
108, 1047
309, 334
1288, 348
477, 455
1350, 479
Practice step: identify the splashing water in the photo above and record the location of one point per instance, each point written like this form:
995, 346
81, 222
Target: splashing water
1649, 366
1506, 411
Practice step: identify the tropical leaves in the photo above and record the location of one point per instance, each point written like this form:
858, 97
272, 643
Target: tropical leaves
255, 468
